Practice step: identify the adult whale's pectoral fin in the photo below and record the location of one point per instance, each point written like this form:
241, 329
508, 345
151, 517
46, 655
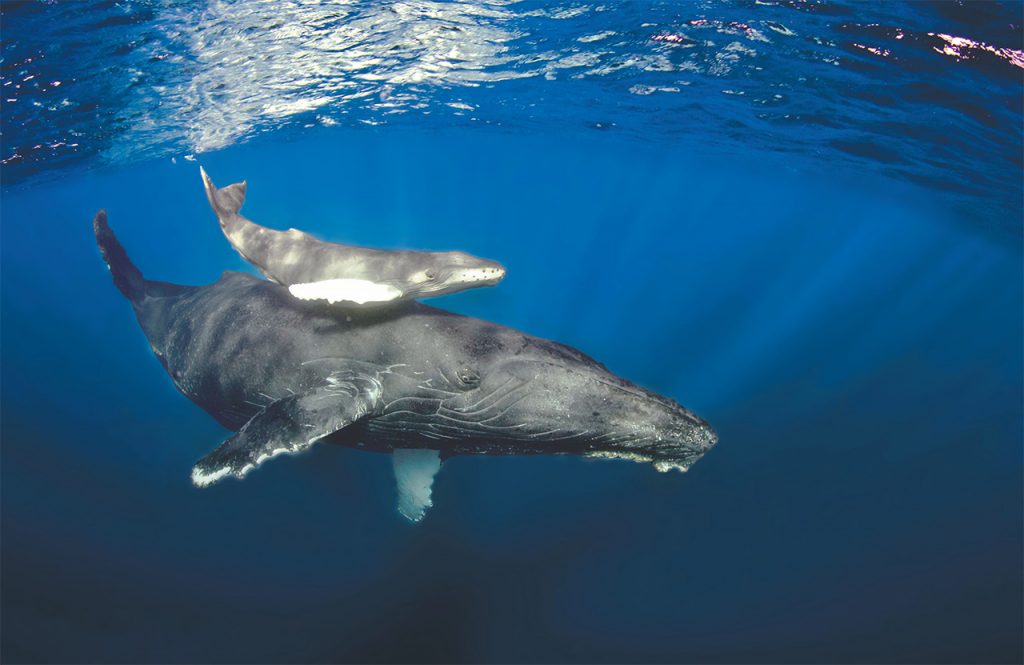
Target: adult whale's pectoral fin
415, 469
289, 425
357, 291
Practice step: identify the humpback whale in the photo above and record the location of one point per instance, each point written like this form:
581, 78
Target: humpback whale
316, 270
416, 381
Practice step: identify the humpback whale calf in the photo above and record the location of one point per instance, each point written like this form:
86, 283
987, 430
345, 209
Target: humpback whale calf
316, 270
414, 380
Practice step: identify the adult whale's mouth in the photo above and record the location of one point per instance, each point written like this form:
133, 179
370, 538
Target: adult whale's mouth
678, 451
663, 456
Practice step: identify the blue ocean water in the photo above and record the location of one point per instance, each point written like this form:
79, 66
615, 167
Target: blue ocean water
802, 220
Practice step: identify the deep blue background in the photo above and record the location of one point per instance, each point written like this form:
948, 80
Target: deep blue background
854, 339
857, 350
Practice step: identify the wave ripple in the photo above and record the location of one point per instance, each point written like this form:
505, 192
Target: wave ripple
927, 92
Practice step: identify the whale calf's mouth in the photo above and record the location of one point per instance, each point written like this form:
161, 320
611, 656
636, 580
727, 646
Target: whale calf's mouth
358, 291
471, 275
462, 278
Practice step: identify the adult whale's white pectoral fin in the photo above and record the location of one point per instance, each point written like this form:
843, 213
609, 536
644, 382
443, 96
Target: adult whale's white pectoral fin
415, 469
358, 291
289, 425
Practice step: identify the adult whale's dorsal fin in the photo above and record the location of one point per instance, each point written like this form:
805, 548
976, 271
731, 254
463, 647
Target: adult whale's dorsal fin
289, 425
415, 469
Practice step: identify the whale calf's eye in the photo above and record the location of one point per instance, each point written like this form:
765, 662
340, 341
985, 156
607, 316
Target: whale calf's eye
468, 377
430, 274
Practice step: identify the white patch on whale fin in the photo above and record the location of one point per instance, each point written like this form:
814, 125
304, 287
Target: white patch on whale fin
358, 291
415, 469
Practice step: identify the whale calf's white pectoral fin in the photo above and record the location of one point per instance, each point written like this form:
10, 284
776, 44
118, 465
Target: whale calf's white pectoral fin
358, 291
415, 469
289, 425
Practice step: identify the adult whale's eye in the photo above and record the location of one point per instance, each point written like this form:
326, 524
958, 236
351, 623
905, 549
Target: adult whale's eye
431, 274
468, 377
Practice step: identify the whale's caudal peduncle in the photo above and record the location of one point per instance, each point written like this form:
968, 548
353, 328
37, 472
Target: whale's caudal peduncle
317, 270
286, 373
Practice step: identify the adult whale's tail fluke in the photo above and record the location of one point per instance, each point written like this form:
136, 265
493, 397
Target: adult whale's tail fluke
227, 201
127, 277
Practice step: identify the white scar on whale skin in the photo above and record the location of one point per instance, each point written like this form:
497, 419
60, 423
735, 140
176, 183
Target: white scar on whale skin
359, 291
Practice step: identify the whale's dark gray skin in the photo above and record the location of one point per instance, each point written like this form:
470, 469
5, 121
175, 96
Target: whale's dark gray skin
413, 379
317, 270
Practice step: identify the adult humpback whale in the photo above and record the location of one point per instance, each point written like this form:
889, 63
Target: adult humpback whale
412, 379
318, 270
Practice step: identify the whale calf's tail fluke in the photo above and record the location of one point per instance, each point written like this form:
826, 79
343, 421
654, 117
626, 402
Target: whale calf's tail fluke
127, 277
227, 201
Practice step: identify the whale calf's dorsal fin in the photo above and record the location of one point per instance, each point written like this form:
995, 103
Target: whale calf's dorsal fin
415, 469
